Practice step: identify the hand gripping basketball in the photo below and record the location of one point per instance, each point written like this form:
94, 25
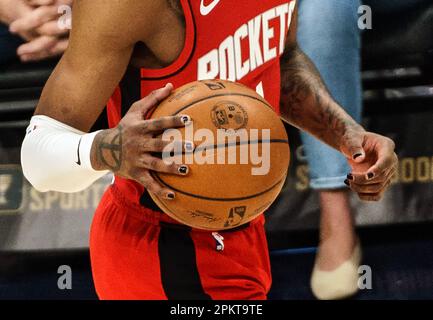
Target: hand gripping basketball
127, 149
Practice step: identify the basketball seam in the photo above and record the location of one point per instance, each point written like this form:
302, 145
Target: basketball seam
219, 199
216, 96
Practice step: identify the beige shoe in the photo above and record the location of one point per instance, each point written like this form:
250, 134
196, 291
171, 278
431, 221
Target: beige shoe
339, 283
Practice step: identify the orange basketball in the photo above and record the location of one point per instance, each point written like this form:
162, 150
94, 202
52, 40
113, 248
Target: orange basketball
241, 155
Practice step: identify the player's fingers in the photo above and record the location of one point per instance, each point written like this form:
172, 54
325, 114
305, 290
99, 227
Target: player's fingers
59, 48
36, 50
370, 188
34, 19
352, 147
159, 145
164, 123
52, 28
370, 197
40, 44
366, 188
361, 178
152, 100
375, 196
56, 50
384, 163
34, 56
155, 164
154, 187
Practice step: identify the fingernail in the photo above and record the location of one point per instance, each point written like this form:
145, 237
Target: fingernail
189, 146
186, 120
346, 182
356, 156
170, 196
370, 175
183, 170
350, 177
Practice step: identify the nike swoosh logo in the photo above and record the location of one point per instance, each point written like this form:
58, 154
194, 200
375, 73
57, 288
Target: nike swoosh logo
78, 153
205, 10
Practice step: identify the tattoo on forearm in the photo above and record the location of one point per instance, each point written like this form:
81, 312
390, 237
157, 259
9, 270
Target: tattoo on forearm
109, 150
306, 102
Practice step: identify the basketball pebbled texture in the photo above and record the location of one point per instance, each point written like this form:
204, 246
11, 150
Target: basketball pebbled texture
223, 196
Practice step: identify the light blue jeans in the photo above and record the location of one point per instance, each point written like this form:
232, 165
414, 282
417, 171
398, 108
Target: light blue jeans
328, 33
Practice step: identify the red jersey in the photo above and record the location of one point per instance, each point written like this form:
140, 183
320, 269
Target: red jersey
237, 40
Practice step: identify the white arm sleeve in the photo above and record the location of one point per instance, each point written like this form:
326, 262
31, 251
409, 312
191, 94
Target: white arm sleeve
56, 157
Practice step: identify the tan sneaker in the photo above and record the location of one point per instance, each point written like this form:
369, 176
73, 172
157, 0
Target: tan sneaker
339, 283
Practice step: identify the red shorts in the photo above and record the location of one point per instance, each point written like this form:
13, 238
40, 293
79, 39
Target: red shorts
138, 253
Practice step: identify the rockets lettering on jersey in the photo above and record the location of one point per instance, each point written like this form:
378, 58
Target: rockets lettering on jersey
225, 62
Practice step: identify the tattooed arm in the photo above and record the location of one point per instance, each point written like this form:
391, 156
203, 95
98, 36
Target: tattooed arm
102, 41
126, 149
307, 104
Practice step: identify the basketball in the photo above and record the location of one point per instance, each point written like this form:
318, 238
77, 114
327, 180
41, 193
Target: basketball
225, 187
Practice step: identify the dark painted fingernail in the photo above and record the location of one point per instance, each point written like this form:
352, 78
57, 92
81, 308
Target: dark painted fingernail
170, 196
350, 177
346, 182
370, 175
183, 170
186, 120
356, 156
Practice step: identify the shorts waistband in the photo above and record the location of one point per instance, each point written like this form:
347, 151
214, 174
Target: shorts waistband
135, 209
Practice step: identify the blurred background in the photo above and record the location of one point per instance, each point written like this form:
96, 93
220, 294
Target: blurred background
39, 232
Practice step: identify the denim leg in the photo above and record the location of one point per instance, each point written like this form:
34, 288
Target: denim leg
328, 33
8, 45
